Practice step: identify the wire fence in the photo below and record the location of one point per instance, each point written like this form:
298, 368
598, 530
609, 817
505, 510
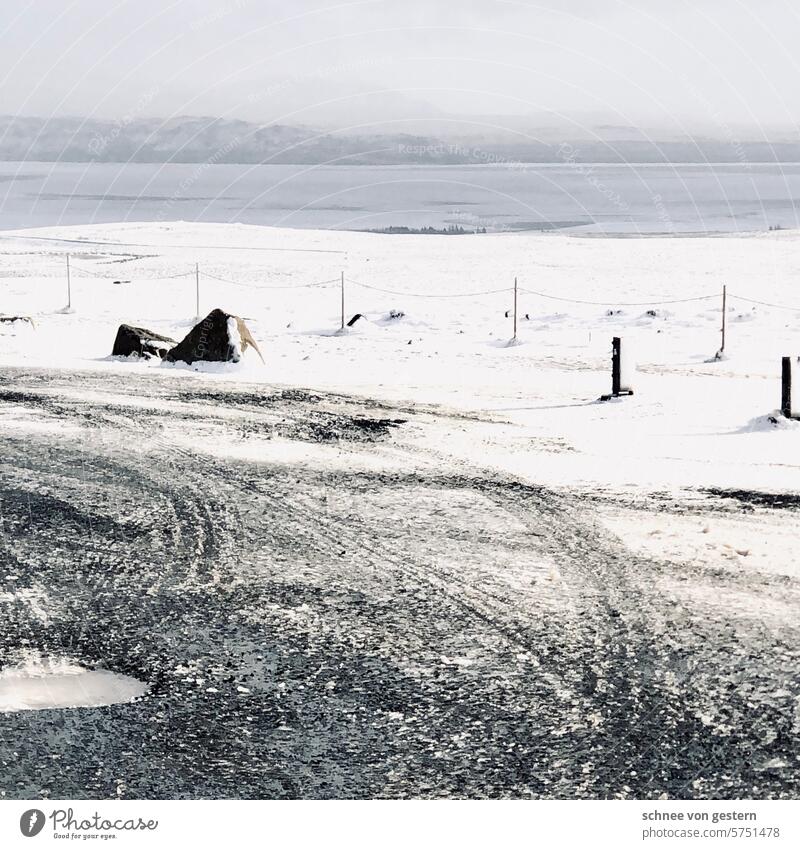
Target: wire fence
259, 286
199, 274
116, 277
765, 304
430, 294
653, 303
722, 298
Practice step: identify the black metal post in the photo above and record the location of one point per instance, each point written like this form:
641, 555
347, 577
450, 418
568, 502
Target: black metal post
616, 366
786, 386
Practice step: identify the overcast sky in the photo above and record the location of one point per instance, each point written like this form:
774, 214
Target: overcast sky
648, 62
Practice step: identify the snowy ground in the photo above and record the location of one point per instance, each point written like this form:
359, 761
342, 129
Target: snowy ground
690, 423
409, 560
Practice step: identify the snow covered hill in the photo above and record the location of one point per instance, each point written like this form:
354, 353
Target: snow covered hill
436, 331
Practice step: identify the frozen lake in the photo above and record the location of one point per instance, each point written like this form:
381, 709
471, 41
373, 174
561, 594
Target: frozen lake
597, 198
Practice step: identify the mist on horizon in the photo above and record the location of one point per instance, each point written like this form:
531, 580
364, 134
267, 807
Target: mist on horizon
372, 66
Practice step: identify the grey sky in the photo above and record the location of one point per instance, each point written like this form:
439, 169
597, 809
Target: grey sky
671, 64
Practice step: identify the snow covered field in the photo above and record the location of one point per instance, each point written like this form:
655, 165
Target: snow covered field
690, 423
444, 542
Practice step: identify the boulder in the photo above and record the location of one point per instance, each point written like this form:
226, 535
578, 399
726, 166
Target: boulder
140, 342
219, 338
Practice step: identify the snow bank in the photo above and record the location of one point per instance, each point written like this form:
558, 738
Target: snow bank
763, 543
774, 421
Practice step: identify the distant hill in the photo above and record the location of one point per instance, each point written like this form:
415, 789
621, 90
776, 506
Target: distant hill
218, 141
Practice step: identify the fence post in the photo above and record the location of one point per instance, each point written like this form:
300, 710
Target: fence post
619, 384
616, 366
342, 301
515, 309
724, 316
786, 387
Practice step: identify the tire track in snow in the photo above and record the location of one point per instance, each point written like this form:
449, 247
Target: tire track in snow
414, 661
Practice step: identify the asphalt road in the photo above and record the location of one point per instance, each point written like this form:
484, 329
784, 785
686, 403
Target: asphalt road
330, 611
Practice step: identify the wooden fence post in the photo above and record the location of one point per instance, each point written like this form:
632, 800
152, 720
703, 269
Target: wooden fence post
620, 384
515, 309
786, 388
616, 366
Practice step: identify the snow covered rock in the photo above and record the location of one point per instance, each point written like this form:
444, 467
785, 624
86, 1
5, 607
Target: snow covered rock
13, 319
218, 338
140, 342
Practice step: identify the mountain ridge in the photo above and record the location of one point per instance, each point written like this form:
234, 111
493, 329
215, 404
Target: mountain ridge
190, 139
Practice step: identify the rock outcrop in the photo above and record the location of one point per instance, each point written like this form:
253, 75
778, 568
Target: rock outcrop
140, 342
219, 338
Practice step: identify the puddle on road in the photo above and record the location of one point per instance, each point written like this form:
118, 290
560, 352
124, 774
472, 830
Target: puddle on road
60, 684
